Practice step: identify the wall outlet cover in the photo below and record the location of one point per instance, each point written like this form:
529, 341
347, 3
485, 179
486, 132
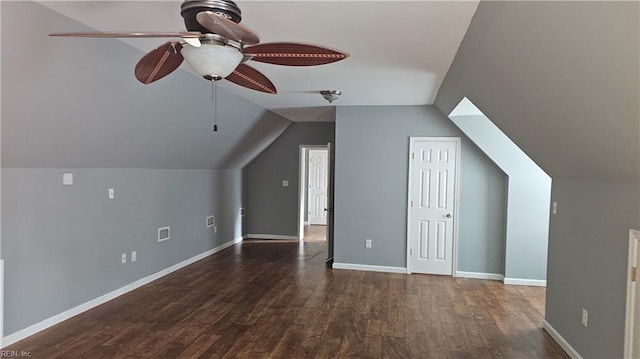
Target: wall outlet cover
164, 233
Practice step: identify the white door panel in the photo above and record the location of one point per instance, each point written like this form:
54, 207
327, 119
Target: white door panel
431, 209
318, 164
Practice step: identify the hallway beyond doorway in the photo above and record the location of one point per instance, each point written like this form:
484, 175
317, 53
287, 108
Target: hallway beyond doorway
315, 233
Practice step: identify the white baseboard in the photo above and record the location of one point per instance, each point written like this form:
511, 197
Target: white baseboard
529, 282
560, 340
49, 322
479, 275
369, 268
270, 236
1, 301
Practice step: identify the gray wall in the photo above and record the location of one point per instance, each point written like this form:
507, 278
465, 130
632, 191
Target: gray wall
62, 244
561, 79
528, 195
74, 105
588, 245
272, 208
372, 144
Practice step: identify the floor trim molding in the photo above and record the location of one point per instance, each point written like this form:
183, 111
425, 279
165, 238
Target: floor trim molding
369, 268
270, 236
51, 321
529, 282
479, 275
563, 343
1, 302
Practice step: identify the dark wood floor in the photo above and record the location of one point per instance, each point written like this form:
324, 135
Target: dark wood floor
263, 299
315, 233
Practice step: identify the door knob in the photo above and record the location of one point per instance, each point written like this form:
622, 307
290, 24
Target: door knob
448, 215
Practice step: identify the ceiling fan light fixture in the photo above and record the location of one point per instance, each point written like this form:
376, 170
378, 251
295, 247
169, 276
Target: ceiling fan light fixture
331, 95
212, 61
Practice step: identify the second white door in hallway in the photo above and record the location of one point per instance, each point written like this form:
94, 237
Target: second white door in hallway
318, 162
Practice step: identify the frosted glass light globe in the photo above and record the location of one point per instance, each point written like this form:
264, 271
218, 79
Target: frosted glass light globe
212, 61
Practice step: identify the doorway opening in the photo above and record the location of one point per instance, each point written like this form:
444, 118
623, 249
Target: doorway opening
314, 193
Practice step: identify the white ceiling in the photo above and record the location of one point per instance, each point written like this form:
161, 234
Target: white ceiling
400, 51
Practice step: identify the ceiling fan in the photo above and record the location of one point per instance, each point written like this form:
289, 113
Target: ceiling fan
217, 47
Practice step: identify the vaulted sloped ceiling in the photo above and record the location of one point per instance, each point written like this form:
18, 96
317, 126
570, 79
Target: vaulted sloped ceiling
66, 104
561, 79
400, 50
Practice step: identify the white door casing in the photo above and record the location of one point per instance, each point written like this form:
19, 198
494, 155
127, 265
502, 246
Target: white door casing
330, 200
431, 230
318, 164
632, 325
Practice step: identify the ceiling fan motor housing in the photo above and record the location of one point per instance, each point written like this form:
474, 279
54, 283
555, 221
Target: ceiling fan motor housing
191, 8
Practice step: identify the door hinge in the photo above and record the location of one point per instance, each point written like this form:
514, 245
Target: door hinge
412, 204
413, 155
634, 274
410, 252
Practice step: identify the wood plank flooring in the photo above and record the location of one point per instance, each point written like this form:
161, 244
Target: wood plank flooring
263, 299
315, 233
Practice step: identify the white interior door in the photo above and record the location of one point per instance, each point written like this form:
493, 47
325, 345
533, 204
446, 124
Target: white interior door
432, 198
318, 162
632, 325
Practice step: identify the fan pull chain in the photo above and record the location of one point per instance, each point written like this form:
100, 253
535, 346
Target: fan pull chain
214, 100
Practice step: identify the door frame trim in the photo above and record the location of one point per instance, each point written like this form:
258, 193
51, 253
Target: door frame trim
454, 255
634, 242
302, 184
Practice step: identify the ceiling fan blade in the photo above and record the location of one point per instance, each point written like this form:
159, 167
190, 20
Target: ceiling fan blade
224, 27
292, 54
247, 76
184, 35
159, 62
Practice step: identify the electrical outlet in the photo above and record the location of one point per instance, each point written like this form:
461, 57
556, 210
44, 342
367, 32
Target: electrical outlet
111, 193
211, 221
134, 256
285, 183
554, 208
367, 243
585, 317
124, 258
215, 229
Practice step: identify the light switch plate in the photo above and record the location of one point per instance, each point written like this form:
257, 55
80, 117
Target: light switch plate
111, 193
67, 179
285, 183
554, 208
